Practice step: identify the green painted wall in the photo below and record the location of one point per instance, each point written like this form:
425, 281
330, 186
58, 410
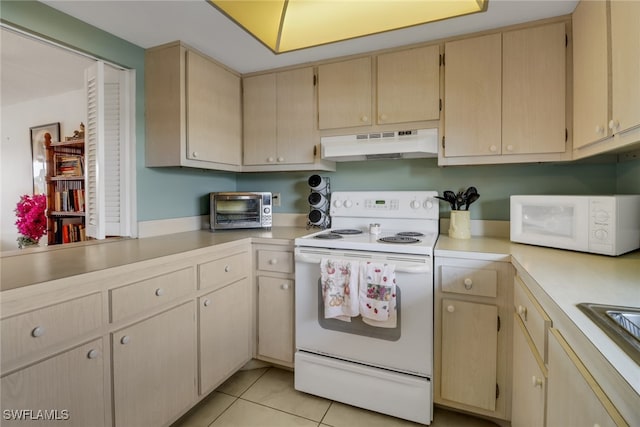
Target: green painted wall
495, 183
181, 192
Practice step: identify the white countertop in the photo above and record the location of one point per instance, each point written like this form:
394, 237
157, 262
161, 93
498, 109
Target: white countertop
565, 279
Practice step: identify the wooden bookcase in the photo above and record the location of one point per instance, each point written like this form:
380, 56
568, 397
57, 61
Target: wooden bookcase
65, 191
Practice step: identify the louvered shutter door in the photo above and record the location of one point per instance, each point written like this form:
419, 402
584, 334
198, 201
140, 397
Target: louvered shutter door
94, 152
112, 154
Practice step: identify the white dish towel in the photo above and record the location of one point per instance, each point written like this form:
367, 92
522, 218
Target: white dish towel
339, 280
377, 291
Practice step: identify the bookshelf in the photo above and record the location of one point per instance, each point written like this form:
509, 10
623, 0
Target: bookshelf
65, 191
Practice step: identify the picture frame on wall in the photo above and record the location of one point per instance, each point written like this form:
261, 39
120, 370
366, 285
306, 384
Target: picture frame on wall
39, 153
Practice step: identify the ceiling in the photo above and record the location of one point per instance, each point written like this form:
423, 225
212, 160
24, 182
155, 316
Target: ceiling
148, 23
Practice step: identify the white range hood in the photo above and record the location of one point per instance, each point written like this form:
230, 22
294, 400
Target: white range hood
403, 144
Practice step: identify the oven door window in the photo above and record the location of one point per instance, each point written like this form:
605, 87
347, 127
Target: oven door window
358, 326
238, 211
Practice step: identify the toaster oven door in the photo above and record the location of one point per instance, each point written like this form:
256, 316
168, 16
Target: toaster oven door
236, 211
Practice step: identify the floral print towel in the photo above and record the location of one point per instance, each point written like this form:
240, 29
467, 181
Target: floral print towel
339, 279
377, 291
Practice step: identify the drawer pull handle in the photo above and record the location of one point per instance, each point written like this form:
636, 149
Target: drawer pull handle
468, 283
125, 340
93, 354
537, 382
159, 292
451, 309
207, 302
273, 261
522, 311
227, 269
38, 331
284, 286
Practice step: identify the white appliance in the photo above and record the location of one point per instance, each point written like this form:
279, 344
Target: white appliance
383, 369
608, 225
401, 144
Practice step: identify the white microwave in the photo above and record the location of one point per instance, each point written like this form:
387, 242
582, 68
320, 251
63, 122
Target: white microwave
608, 225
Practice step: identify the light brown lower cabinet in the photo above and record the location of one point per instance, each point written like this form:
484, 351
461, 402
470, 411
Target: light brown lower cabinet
225, 333
469, 353
67, 389
154, 368
529, 380
574, 397
275, 318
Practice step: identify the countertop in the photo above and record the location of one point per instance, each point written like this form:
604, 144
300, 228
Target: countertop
39, 265
566, 278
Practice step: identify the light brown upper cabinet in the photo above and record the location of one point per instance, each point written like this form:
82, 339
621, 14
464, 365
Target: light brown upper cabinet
409, 85
279, 122
606, 91
193, 110
406, 89
590, 73
505, 97
344, 94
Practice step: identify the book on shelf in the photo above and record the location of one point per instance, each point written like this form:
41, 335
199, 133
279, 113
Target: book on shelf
69, 165
69, 230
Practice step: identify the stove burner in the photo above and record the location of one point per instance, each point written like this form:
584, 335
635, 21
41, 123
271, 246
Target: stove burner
398, 239
410, 234
347, 231
328, 236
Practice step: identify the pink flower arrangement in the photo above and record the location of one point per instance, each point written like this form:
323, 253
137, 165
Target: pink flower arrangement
32, 221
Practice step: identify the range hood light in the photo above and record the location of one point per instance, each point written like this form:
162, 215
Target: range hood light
286, 25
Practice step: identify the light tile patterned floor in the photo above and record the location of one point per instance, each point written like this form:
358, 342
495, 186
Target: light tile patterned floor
265, 397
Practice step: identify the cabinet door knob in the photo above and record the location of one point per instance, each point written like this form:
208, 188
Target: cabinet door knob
493, 148
468, 283
207, 302
599, 129
364, 118
509, 147
284, 286
194, 154
270, 159
273, 261
383, 117
227, 269
92, 354
281, 159
38, 331
522, 311
125, 340
451, 309
159, 292
536, 382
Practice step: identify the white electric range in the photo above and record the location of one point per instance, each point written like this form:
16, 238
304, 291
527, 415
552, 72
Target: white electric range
381, 366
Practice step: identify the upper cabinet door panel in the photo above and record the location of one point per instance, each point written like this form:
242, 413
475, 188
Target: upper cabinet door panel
533, 90
625, 53
296, 119
259, 100
344, 94
473, 97
590, 73
409, 85
214, 128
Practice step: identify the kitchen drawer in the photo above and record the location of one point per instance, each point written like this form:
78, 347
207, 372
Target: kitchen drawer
215, 274
469, 281
39, 329
534, 318
277, 261
150, 293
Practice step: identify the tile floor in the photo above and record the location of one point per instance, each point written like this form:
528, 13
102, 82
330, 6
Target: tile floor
265, 397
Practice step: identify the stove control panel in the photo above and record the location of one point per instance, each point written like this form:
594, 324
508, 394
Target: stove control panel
385, 204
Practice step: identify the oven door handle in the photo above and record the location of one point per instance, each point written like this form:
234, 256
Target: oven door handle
412, 268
